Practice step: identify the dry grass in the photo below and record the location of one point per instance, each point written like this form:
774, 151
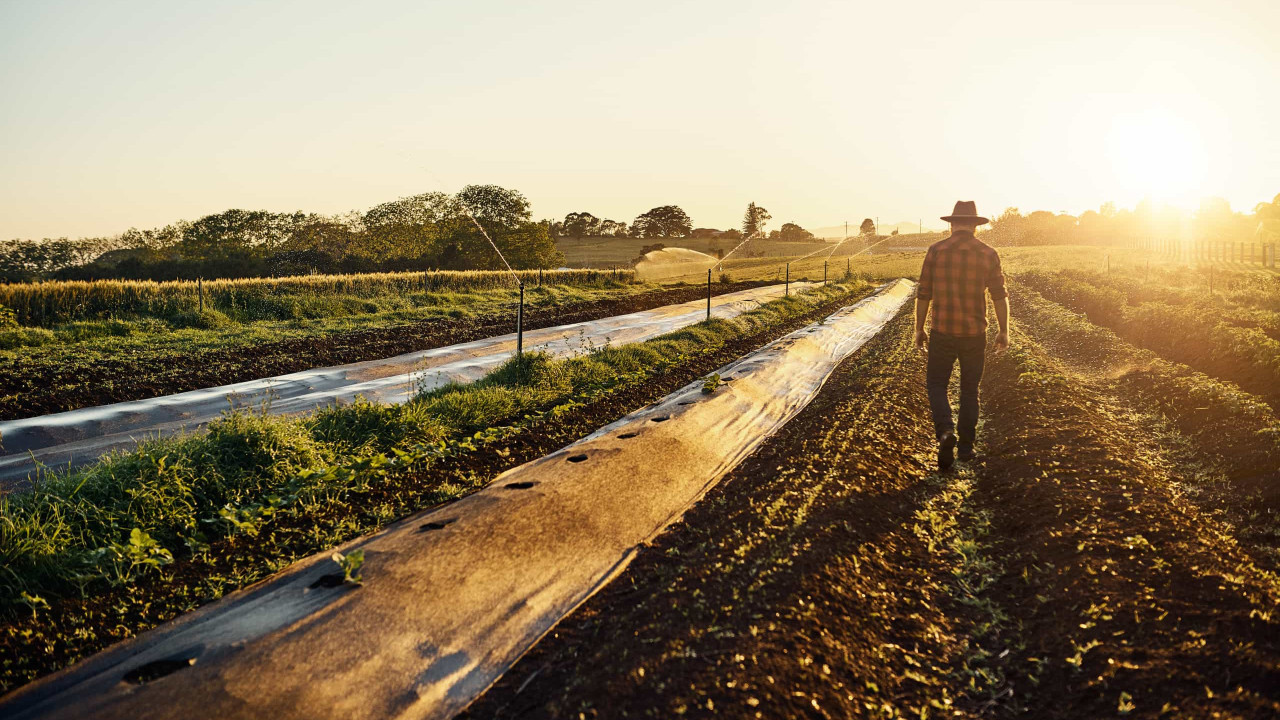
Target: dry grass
49, 303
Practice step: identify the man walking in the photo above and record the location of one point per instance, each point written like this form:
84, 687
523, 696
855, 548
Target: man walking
956, 276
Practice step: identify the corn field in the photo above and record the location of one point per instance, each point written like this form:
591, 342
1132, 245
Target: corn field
47, 304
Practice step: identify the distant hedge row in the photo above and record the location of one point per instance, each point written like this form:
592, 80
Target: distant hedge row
47, 304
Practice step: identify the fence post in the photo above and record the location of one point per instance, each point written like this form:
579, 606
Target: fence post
708, 293
200, 292
539, 277
787, 290
848, 265
824, 273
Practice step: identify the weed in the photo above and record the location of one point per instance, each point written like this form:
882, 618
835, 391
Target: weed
350, 564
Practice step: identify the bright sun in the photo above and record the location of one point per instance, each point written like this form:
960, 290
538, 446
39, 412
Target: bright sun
1157, 154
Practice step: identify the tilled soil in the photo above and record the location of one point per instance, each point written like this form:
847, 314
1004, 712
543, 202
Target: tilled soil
74, 628
28, 391
833, 575
1127, 599
799, 587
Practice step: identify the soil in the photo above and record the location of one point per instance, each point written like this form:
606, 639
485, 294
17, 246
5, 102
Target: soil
1062, 574
73, 628
29, 391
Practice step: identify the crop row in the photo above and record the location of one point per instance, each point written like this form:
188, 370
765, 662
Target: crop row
196, 516
50, 303
1215, 341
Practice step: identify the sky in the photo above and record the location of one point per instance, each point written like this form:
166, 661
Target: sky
136, 114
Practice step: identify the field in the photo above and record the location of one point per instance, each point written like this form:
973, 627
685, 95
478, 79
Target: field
1113, 551
137, 355
220, 510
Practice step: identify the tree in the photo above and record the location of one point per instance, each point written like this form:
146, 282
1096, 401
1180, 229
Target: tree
792, 232
664, 221
495, 207
868, 227
754, 220
237, 233
580, 225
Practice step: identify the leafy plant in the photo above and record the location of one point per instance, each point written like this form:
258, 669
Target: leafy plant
350, 564
119, 562
710, 384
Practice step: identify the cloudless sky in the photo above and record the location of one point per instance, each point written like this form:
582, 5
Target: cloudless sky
120, 114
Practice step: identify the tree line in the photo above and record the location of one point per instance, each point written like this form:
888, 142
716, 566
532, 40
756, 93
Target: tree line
670, 221
1215, 220
431, 231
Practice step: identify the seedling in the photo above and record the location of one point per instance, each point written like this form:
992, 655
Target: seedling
350, 564
710, 383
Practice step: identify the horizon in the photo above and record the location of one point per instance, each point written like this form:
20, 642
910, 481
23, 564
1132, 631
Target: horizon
808, 111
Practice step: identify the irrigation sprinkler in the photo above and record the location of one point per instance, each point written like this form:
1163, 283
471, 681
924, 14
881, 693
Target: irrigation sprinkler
708, 293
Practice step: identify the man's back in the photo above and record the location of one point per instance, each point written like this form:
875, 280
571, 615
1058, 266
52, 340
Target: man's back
955, 276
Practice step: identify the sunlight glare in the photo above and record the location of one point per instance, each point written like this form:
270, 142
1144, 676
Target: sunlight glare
1158, 154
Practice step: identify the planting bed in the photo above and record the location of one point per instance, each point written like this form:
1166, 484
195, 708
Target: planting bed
1232, 333
68, 628
1066, 573
31, 388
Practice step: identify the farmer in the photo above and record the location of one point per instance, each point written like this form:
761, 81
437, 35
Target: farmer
955, 277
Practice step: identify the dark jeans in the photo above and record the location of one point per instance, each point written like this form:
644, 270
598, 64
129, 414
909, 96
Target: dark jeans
944, 350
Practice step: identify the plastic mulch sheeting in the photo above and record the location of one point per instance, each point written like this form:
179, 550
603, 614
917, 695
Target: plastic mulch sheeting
452, 597
80, 436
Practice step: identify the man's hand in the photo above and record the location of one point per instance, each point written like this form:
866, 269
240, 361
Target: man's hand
1002, 341
921, 341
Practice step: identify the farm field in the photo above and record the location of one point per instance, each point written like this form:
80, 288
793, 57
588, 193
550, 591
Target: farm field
1112, 552
221, 510
97, 362
1115, 549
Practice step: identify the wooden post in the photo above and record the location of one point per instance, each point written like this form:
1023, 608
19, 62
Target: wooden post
848, 265
708, 293
788, 285
539, 277
824, 273
200, 292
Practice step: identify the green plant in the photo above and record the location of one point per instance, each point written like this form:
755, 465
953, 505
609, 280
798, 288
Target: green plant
710, 384
121, 561
350, 564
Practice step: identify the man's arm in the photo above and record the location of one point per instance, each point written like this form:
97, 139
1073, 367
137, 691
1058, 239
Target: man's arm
999, 298
922, 312
924, 293
1002, 317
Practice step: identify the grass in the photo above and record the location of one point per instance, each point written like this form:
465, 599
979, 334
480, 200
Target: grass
185, 497
47, 304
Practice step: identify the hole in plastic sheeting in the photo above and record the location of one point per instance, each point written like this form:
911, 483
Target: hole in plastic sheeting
627, 436
157, 669
660, 418
577, 458
436, 524
331, 580
686, 402
519, 485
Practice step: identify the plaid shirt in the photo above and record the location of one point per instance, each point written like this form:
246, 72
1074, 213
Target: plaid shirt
956, 271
